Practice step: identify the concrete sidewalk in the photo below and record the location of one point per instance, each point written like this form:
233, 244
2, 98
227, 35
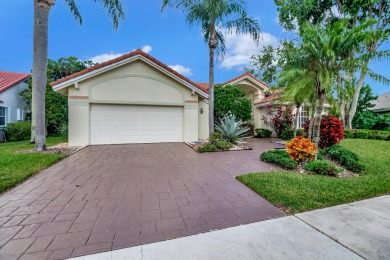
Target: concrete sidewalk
350, 231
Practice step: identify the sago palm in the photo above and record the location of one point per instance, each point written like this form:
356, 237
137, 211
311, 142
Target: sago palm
215, 16
40, 43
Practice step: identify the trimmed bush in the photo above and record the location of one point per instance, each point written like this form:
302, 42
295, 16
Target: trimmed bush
18, 131
263, 133
223, 145
289, 134
323, 167
276, 158
346, 158
301, 149
320, 154
331, 131
207, 148
367, 134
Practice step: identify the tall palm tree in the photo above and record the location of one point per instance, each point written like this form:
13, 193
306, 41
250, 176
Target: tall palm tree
40, 44
317, 64
215, 16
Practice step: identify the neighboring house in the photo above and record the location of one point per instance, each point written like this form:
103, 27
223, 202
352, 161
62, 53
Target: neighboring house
12, 105
138, 99
382, 104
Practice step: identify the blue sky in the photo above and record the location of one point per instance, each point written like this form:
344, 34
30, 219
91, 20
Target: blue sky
165, 36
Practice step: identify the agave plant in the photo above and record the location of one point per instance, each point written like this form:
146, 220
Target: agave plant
232, 129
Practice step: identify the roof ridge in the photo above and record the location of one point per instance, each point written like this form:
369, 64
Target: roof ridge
123, 57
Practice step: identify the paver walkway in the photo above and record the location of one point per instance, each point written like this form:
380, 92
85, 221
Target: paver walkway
116, 196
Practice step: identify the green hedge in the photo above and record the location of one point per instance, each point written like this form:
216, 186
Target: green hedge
367, 134
323, 167
18, 131
289, 134
346, 158
263, 133
280, 158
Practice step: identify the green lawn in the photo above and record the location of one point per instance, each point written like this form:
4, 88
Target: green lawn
297, 193
14, 168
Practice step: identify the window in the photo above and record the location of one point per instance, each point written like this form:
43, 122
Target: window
19, 114
3, 116
303, 116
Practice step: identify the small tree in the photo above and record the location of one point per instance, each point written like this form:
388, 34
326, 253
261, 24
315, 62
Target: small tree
279, 118
231, 100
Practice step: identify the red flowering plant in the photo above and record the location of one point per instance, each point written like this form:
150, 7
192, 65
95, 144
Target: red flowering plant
331, 131
279, 118
301, 149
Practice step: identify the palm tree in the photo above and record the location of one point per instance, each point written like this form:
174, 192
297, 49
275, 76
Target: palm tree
215, 16
317, 64
40, 43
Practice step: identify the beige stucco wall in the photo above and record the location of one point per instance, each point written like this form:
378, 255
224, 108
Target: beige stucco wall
135, 83
203, 121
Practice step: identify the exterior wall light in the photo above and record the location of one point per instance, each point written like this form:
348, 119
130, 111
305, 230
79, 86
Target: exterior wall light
201, 110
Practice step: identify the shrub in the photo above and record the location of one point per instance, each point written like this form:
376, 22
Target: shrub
263, 133
18, 131
63, 129
367, 134
323, 167
215, 137
320, 154
301, 149
223, 145
331, 131
232, 100
289, 134
231, 129
279, 119
345, 157
275, 157
207, 148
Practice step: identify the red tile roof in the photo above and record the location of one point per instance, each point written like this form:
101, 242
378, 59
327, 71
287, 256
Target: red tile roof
274, 95
9, 79
123, 57
243, 75
203, 85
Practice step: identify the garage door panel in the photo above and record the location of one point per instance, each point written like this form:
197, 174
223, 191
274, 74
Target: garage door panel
116, 124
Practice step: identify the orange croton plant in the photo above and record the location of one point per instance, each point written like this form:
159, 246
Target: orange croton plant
301, 149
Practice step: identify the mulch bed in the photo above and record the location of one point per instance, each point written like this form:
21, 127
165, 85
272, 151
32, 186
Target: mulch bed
235, 147
61, 148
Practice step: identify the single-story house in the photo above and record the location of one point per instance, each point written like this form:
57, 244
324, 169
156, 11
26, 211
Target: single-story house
12, 105
138, 99
382, 104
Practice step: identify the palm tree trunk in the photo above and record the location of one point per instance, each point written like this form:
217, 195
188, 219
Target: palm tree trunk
212, 45
359, 85
317, 118
311, 112
39, 74
342, 111
298, 106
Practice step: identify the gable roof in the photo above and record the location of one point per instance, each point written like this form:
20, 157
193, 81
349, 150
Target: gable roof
246, 75
382, 104
274, 95
106, 65
9, 79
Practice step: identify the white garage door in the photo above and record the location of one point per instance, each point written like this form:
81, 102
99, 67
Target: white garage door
121, 124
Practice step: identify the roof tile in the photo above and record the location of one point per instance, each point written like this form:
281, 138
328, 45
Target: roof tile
9, 79
125, 56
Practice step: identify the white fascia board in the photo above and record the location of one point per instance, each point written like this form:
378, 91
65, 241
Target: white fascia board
93, 73
250, 79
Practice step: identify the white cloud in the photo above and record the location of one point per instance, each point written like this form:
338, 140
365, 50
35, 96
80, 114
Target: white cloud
112, 55
147, 48
240, 47
181, 69
105, 57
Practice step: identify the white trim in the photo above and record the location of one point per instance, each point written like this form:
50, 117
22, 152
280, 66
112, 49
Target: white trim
264, 87
93, 73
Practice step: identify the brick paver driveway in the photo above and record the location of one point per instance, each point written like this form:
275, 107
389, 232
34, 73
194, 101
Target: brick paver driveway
115, 196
